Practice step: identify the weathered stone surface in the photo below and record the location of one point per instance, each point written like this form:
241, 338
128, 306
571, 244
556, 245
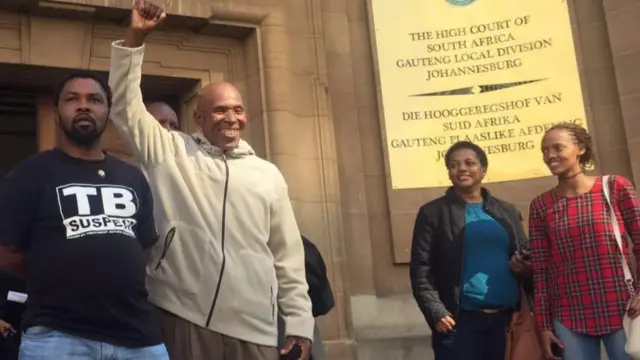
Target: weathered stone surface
306, 69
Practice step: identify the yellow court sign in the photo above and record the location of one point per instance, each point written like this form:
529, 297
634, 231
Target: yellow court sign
494, 72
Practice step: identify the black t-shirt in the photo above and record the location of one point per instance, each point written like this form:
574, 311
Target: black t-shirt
84, 226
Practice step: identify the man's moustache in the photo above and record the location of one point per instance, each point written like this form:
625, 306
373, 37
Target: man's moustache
84, 117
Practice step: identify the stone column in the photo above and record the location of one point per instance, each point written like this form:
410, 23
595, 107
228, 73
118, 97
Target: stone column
623, 28
593, 51
301, 143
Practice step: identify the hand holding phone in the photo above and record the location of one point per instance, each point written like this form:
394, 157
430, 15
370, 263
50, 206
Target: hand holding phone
551, 345
294, 354
525, 255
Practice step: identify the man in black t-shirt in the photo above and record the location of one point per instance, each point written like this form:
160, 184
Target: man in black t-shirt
83, 221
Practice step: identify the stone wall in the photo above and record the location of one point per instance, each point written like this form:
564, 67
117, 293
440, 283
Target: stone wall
307, 70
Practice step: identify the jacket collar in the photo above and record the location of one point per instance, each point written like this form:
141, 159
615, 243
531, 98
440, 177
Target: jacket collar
243, 149
453, 196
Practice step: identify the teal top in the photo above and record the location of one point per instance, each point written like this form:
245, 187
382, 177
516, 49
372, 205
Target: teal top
487, 280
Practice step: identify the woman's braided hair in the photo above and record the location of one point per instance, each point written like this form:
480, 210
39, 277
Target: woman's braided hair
582, 138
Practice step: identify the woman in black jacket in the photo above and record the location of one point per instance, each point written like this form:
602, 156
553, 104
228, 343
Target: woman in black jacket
468, 258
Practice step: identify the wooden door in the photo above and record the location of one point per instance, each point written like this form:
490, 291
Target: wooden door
47, 128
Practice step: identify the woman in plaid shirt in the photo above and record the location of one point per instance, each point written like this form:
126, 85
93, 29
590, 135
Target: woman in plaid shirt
580, 296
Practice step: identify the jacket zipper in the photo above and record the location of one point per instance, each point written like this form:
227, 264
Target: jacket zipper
273, 308
222, 238
168, 239
464, 240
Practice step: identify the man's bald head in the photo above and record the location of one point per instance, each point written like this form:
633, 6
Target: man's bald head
165, 115
221, 114
212, 91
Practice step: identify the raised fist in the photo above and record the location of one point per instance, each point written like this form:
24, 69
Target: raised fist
146, 16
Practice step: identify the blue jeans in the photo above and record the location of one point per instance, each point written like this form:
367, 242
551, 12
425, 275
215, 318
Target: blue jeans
586, 347
476, 336
42, 343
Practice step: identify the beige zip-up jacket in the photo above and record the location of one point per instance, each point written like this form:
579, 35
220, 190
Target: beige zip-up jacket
236, 253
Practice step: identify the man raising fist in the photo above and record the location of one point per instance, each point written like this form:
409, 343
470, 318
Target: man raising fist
232, 254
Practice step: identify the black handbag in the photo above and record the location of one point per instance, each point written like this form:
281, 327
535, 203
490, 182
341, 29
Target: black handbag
319, 288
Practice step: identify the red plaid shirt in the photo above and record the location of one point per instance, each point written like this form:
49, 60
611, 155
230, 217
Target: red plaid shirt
578, 277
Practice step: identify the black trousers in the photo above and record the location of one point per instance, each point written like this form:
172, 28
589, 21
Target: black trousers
12, 313
476, 336
9, 347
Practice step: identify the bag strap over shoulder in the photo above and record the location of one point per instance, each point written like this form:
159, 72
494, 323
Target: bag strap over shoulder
628, 277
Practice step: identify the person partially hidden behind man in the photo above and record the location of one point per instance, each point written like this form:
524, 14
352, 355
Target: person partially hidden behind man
82, 220
231, 254
165, 115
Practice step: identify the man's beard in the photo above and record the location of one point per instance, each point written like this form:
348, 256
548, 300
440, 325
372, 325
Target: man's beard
83, 136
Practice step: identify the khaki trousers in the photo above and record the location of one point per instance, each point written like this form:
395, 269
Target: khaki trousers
187, 341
